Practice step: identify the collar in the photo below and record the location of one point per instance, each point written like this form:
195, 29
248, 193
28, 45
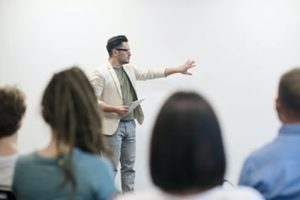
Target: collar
290, 129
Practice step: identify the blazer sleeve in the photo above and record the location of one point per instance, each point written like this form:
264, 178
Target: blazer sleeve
97, 82
146, 74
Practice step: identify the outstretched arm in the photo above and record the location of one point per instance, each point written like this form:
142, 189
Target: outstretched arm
183, 69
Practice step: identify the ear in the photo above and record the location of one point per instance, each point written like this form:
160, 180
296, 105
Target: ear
279, 109
114, 52
277, 105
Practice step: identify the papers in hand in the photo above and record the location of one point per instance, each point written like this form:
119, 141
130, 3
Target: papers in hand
133, 105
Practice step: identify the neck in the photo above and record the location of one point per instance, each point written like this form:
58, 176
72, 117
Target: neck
287, 119
8, 145
291, 122
51, 150
115, 63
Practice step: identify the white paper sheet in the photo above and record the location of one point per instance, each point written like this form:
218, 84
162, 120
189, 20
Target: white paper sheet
133, 105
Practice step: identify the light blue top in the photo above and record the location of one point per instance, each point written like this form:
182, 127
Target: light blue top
37, 178
274, 170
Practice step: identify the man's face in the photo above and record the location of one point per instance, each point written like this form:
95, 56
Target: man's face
123, 53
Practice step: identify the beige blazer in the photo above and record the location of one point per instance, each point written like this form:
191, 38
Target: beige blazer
107, 89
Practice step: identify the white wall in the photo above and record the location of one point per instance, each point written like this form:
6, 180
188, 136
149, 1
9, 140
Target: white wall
241, 47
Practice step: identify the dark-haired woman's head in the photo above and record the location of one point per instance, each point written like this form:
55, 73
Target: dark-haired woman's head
70, 107
186, 147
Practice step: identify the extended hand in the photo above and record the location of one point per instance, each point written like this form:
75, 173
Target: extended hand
186, 66
183, 69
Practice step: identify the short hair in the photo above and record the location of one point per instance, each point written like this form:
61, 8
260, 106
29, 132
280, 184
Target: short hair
12, 109
70, 107
186, 145
289, 92
115, 42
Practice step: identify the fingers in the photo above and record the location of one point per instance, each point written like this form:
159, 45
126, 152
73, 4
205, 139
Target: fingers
188, 73
191, 63
123, 110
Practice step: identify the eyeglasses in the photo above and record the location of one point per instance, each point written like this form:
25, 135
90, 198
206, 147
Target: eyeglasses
126, 50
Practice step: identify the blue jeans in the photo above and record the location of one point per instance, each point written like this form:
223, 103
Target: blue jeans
122, 145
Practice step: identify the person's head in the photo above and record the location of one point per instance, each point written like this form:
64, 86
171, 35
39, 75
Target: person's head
186, 150
288, 100
12, 109
70, 107
118, 49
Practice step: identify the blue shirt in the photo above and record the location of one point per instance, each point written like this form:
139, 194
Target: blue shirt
37, 178
274, 170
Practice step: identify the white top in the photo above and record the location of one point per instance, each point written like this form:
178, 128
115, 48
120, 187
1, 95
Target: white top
217, 193
7, 166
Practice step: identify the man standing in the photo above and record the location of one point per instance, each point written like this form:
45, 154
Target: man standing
114, 85
274, 169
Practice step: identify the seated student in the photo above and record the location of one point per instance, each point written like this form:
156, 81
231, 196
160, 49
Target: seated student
187, 159
274, 169
73, 165
12, 109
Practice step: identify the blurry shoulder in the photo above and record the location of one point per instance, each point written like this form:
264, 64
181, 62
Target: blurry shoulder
218, 193
8, 159
27, 157
101, 69
144, 195
264, 152
89, 158
26, 160
138, 196
240, 192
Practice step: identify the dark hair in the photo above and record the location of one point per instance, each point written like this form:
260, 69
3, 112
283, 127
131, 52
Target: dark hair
186, 146
12, 109
70, 107
115, 42
289, 92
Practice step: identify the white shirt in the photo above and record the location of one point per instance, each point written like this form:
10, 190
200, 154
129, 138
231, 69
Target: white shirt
217, 193
7, 166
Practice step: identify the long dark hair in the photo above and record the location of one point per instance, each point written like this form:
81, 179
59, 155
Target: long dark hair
186, 147
70, 107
